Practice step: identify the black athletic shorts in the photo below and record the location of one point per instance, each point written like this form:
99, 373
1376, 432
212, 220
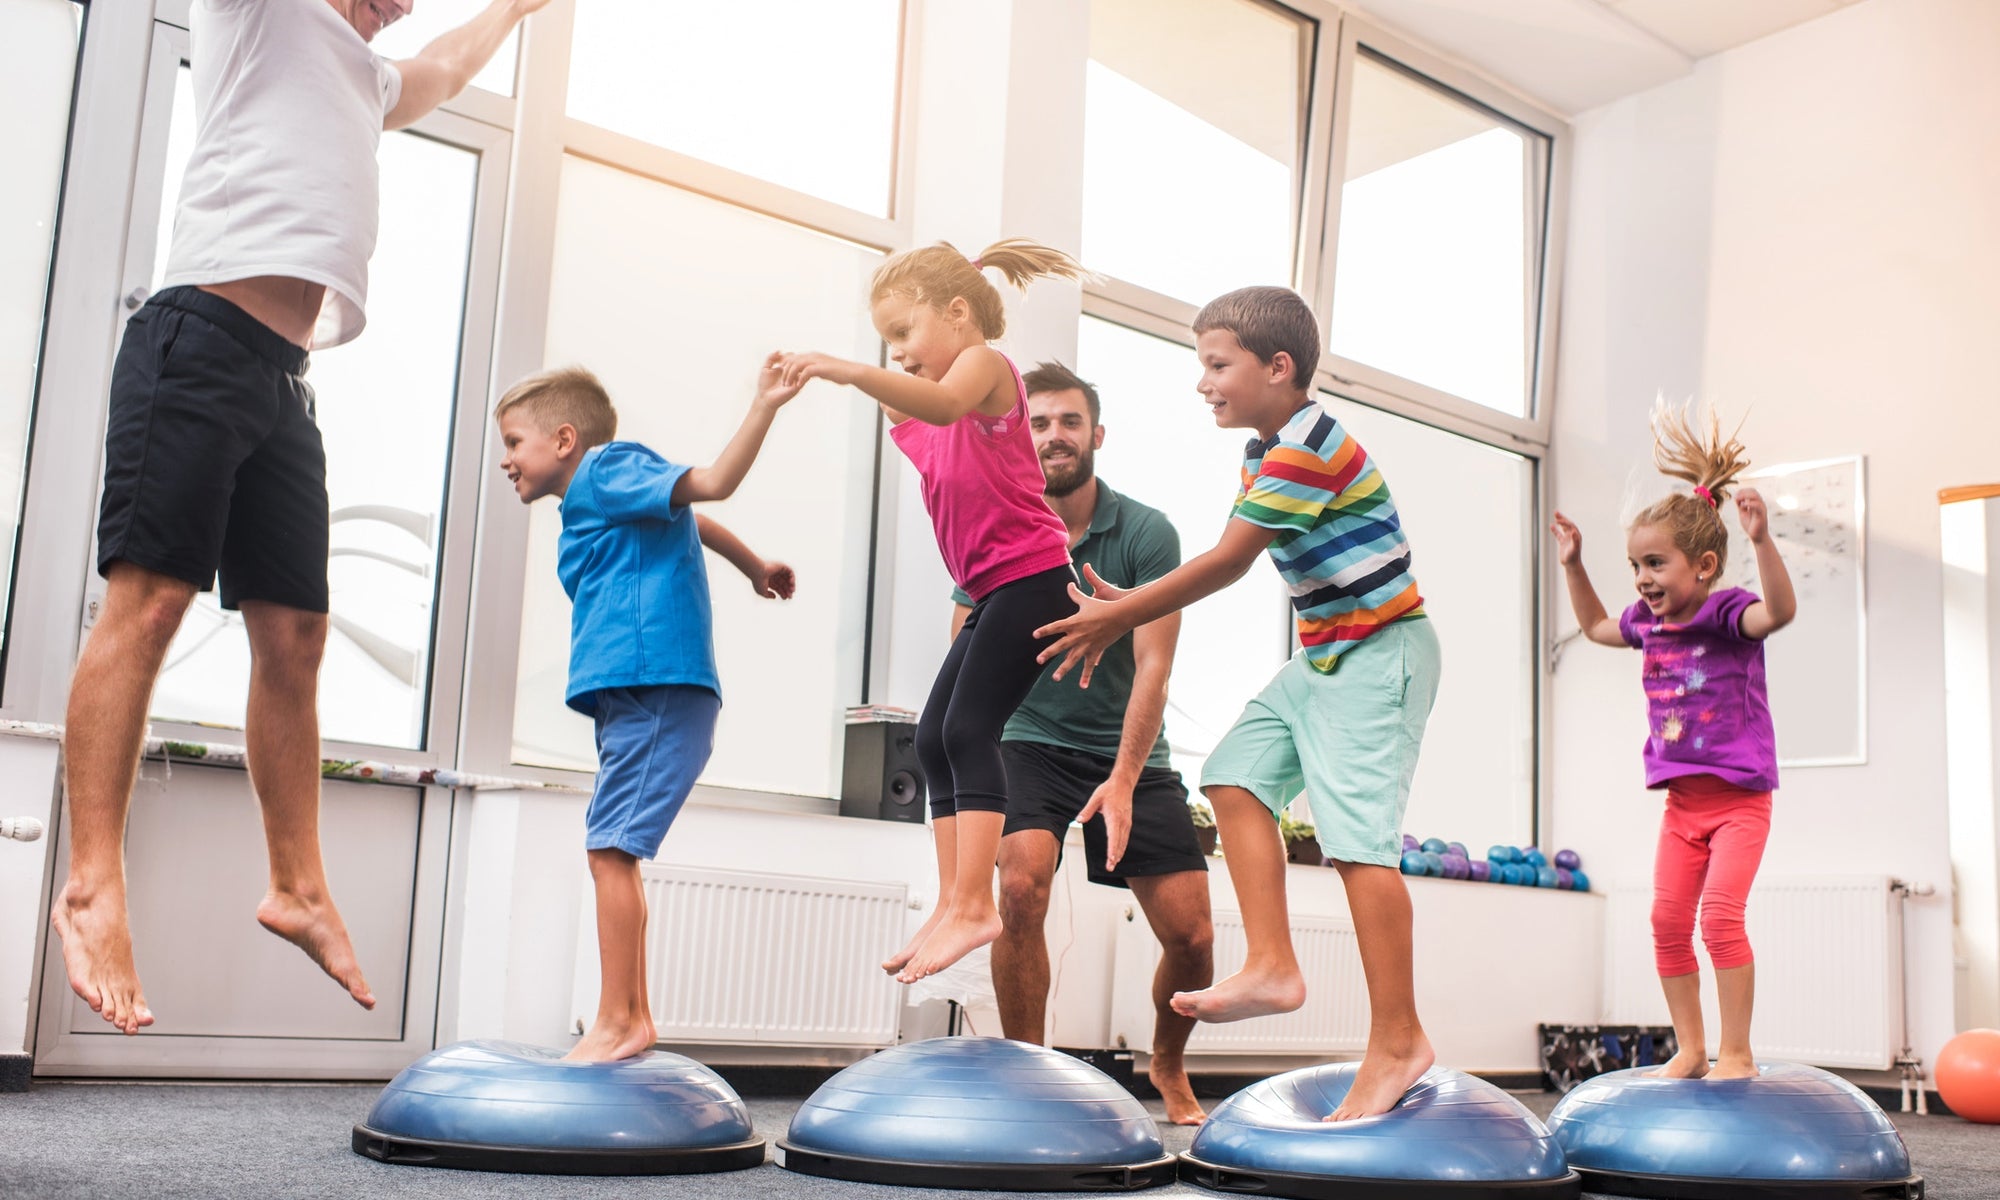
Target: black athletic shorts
1048, 785
212, 459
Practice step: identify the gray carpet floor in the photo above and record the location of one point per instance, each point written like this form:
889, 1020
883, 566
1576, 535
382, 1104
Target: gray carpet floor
106, 1141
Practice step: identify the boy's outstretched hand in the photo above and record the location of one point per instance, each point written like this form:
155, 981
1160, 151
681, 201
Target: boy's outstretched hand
1569, 540
772, 389
1088, 634
798, 368
774, 581
1750, 508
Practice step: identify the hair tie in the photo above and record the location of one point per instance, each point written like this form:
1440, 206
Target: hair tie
1705, 494
976, 264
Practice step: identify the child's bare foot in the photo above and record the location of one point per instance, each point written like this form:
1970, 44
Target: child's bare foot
1244, 995
315, 927
1733, 1066
895, 963
97, 953
953, 939
1685, 1064
1169, 1077
1383, 1078
609, 1041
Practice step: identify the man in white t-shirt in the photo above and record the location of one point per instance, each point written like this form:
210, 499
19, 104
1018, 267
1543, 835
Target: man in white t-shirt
213, 462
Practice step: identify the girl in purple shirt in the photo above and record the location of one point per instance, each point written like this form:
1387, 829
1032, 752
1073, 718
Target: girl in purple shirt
1710, 742
958, 411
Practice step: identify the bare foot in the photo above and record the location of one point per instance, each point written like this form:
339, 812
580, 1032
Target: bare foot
1687, 1064
97, 953
1169, 1078
1382, 1080
1733, 1066
1244, 995
895, 963
953, 939
609, 1041
316, 928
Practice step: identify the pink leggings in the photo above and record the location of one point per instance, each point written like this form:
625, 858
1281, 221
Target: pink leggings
1711, 840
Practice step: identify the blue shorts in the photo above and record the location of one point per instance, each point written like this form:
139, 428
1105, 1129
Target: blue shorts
652, 743
1349, 739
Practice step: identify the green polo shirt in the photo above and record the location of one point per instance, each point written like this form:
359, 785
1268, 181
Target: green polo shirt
1127, 544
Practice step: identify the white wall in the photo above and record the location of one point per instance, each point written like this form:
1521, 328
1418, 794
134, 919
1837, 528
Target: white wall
1802, 230
30, 766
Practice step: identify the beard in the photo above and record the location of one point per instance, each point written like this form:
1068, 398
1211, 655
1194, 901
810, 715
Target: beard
1058, 482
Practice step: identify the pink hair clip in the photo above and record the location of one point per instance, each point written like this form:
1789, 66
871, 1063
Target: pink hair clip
976, 264
1705, 494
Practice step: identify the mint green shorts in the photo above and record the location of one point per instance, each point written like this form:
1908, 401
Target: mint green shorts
1349, 740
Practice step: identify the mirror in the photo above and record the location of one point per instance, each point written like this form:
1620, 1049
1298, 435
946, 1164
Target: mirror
1971, 553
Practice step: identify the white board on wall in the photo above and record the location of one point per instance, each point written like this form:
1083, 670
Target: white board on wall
1817, 667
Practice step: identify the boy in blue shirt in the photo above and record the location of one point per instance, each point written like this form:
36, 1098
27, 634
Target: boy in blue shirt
642, 658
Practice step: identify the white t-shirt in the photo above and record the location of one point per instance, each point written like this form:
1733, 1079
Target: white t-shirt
288, 103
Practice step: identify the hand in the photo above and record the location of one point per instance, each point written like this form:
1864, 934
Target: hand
1083, 637
1569, 540
774, 581
1112, 800
524, 7
772, 390
1102, 590
798, 368
1756, 521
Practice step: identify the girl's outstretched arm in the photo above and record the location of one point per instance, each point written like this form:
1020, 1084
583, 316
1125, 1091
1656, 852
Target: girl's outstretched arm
1779, 605
719, 480
1597, 625
770, 579
973, 382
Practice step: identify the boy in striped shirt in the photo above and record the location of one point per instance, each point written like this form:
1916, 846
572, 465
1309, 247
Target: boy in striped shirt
1344, 719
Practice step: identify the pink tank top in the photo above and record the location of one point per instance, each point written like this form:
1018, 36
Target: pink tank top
982, 486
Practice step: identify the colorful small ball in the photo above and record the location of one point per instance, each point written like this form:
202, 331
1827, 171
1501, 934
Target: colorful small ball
1413, 862
1409, 843
1433, 846
1579, 881
1564, 879
1568, 859
1481, 870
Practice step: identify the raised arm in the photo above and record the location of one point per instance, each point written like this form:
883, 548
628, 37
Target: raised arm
1779, 605
719, 480
442, 69
1597, 625
978, 379
1098, 623
770, 579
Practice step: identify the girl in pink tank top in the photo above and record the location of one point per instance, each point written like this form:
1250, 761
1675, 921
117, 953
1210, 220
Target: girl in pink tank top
957, 409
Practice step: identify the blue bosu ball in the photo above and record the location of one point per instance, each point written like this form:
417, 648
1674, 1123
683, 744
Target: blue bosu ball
1792, 1131
976, 1112
505, 1106
1450, 1135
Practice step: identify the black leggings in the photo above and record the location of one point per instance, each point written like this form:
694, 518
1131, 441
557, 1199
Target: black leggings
985, 676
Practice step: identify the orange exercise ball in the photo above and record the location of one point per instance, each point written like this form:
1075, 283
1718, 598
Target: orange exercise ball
1968, 1075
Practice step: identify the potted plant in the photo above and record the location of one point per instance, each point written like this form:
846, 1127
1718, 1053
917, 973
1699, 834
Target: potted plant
1301, 839
1204, 825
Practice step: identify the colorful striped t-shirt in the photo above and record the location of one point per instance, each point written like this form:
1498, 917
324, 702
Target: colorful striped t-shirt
1340, 544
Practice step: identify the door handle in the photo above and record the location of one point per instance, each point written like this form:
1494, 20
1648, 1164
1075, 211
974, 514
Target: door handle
136, 297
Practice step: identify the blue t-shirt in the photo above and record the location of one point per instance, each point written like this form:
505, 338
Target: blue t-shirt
631, 562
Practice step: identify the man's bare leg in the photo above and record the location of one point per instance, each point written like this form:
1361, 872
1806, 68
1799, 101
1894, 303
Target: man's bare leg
944, 842
1398, 1053
105, 732
1176, 907
1270, 981
281, 737
973, 919
1021, 952
624, 1024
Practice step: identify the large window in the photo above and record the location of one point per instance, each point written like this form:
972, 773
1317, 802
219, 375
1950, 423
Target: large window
798, 92
674, 300
385, 409
1194, 132
41, 41
1438, 269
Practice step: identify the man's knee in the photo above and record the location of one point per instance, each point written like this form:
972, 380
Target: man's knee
1024, 897
1190, 942
145, 603
285, 637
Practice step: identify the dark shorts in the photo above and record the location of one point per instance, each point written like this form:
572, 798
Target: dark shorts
212, 460
1047, 786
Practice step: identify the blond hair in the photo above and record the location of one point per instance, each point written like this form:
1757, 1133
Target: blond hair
1709, 463
1264, 321
564, 396
939, 273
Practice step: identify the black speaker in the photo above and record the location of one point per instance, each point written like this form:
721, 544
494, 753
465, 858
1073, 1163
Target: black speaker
880, 778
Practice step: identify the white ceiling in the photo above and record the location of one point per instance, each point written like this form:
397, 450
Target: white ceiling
1574, 55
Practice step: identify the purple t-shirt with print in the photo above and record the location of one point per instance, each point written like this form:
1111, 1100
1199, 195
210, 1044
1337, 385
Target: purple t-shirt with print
1705, 698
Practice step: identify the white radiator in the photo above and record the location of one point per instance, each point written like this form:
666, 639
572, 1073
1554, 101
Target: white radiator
1829, 970
1334, 1019
740, 958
